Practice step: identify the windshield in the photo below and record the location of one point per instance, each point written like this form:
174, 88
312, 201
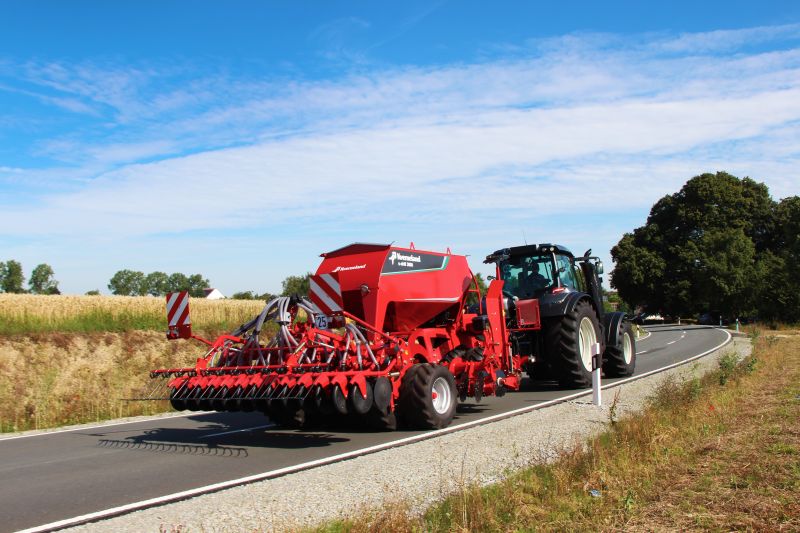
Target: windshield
527, 276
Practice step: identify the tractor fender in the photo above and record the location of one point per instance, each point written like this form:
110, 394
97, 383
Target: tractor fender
611, 322
558, 305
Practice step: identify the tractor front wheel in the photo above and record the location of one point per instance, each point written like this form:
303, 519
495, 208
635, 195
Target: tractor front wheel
620, 360
428, 396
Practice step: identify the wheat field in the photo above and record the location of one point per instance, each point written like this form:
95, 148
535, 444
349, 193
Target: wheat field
27, 313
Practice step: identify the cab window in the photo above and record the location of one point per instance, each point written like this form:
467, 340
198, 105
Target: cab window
566, 273
528, 277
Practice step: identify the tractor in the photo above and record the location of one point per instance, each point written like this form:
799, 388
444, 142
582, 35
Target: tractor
571, 325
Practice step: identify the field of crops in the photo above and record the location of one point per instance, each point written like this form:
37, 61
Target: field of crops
27, 313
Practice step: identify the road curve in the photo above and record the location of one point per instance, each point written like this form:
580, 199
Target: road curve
92, 472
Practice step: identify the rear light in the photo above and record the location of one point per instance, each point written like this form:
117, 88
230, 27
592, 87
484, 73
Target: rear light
559, 290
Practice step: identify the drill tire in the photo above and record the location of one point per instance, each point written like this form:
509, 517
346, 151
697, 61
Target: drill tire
417, 404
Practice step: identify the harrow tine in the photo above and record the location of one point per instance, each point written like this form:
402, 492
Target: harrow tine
184, 391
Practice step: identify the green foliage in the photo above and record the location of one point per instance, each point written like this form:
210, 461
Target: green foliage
250, 295
93, 292
245, 295
42, 280
127, 283
178, 282
727, 367
472, 299
11, 277
156, 283
296, 285
721, 243
196, 285
135, 283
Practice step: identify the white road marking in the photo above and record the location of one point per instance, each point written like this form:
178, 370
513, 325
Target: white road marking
236, 431
111, 424
114, 511
643, 351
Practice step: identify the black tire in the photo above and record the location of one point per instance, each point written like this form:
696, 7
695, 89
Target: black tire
416, 396
620, 360
177, 403
571, 366
357, 403
382, 395
289, 415
382, 422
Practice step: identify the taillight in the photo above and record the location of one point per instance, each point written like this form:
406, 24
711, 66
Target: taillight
558, 290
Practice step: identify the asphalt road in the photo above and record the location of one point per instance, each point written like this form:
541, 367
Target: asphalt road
55, 476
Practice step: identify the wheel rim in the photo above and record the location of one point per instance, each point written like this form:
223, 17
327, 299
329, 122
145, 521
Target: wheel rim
627, 348
587, 337
440, 396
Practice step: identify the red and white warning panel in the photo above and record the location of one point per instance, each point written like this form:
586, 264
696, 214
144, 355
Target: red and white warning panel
180, 324
326, 293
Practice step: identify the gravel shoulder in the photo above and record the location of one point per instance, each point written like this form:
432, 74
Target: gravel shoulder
419, 473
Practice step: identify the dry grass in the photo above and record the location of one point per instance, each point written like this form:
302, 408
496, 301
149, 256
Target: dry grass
53, 379
22, 314
70, 359
720, 452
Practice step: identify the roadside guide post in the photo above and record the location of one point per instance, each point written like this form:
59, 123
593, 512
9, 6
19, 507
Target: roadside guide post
597, 364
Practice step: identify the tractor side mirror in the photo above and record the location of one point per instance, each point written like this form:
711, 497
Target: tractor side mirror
599, 267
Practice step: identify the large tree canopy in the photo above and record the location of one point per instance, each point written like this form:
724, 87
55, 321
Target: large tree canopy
719, 244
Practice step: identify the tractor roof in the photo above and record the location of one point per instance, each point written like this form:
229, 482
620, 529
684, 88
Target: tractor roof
528, 249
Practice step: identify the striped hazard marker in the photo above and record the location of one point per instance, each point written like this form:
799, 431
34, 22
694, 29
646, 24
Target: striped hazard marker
178, 320
326, 293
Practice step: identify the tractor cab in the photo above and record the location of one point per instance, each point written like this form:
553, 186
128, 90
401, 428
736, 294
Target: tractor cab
534, 271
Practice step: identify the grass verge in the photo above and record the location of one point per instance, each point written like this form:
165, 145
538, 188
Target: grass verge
719, 452
55, 379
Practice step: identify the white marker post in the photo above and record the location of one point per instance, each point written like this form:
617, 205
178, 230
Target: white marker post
597, 363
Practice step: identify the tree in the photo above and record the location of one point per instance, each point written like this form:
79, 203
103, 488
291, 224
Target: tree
197, 285
250, 295
93, 292
156, 283
296, 285
779, 271
178, 282
128, 283
244, 295
472, 299
712, 246
11, 277
42, 280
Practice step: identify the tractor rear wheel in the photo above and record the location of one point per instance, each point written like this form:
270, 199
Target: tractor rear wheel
570, 340
620, 360
428, 396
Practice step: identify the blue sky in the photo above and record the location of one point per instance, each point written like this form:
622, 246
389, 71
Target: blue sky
241, 139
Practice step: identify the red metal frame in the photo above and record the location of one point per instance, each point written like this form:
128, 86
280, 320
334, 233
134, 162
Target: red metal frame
397, 307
